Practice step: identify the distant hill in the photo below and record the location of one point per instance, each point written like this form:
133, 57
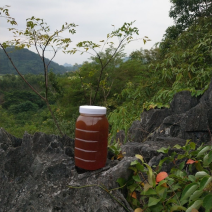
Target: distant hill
70, 67
26, 62
67, 65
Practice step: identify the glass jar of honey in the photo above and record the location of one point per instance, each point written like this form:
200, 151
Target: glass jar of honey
91, 138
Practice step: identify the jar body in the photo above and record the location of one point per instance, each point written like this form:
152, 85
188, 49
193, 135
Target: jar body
91, 140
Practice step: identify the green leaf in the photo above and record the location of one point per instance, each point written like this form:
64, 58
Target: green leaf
134, 169
179, 157
161, 191
195, 195
132, 187
121, 181
177, 146
176, 187
134, 162
206, 161
192, 145
207, 202
203, 151
139, 167
195, 205
178, 208
151, 177
172, 201
188, 190
179, 173
163, 150
201, 174
191, 178
162, 182
156, 208
153, 201
198, 166
204, 182
140, 157
182, 164
136, 178
147, 187
163, 160
150, 191
210, 157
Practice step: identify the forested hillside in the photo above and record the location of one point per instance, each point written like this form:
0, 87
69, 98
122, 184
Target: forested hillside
26, 61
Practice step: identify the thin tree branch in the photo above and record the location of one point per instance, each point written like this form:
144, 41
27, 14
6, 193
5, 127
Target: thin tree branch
82, 85
58, 127
35, 41
103, 67
55, 52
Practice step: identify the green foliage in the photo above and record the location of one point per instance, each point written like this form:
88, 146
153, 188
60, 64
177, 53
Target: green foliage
187, 187
16, 98
186, 13
125, 35
23, 110
115, 148
11, 82
23, 107
187, 65
4, 12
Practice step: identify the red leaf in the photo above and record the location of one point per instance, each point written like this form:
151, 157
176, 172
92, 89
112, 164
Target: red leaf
161, 176
190, 161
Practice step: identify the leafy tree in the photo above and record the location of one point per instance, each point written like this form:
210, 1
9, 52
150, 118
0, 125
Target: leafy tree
24, 107
89, 74
37, 33
19, 97
124, 34
187, 64
186, 13
145, 56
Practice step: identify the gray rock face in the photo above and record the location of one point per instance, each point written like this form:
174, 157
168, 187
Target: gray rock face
36, 172
188, 118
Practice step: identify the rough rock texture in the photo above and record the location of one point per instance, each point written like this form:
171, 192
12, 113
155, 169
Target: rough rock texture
35, 173
187, 118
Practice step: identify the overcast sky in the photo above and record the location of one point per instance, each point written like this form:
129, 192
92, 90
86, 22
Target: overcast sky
95, 19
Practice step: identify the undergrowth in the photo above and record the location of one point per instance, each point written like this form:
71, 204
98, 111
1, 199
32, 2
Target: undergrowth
187, 187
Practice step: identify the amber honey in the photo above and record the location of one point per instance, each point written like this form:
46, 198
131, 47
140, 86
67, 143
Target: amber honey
91, 138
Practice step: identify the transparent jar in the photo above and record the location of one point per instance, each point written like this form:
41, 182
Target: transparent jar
91, 138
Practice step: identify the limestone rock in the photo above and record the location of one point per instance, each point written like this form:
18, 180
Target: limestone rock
36, 172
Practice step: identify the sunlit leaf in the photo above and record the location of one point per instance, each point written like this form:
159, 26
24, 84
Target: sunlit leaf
138, 210
140, 157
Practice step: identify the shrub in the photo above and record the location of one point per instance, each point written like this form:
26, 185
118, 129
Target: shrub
187, 188
23, 107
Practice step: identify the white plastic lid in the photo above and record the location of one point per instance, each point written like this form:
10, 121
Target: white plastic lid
88, 109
